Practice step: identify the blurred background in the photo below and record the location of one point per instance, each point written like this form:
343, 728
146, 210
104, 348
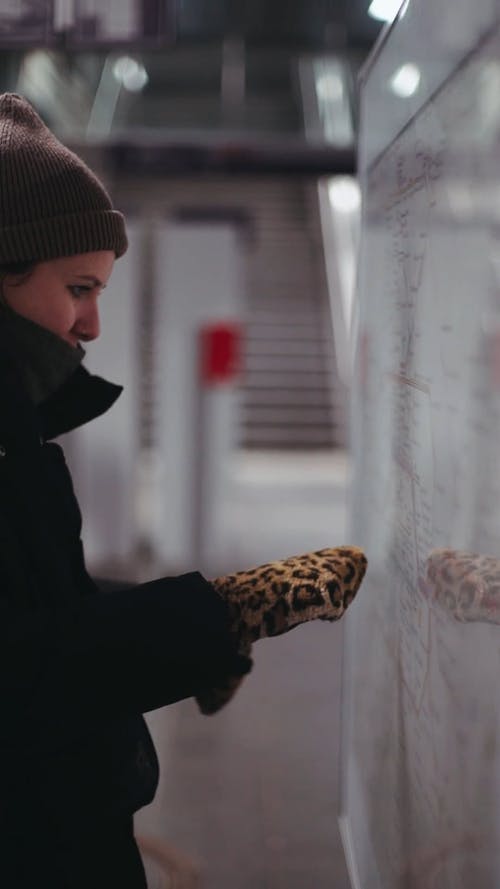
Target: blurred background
226, 131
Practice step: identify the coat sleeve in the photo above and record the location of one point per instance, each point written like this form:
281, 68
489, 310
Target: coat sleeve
125, 652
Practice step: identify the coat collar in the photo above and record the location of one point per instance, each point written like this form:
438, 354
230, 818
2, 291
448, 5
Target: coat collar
82, 398
23, 425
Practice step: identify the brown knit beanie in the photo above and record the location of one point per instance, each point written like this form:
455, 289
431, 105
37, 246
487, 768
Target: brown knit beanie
51, 204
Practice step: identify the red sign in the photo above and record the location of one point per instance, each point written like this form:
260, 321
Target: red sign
220, 352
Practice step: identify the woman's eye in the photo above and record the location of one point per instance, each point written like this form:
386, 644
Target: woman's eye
78, 290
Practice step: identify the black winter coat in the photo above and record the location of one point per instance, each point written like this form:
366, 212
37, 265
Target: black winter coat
79, 667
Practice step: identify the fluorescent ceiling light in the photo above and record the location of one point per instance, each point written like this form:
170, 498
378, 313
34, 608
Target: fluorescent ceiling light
384, 10
344, 194
405, 81
329, 86
131, 74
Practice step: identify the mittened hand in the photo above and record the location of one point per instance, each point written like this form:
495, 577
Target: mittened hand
274, 598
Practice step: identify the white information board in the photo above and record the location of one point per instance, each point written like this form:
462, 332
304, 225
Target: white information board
420, 763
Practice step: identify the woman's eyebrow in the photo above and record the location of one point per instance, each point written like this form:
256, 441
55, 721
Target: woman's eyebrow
92, 278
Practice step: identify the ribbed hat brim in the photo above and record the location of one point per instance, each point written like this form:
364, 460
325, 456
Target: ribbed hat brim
67, 235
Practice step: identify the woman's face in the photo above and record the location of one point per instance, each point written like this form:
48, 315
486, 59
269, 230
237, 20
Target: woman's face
62, 294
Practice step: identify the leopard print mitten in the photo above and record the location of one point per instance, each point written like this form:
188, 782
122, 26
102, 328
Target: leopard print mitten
278, 596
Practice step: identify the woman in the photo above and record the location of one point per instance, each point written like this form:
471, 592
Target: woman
78, 668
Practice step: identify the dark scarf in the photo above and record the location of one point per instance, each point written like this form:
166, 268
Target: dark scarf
44, 360
64, 393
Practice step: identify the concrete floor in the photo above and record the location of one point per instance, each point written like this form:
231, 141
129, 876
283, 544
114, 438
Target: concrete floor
249, 798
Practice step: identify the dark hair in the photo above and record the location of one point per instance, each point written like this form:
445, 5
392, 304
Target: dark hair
16, 268
20, 270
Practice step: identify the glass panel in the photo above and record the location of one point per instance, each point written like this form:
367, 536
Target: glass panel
122, 21
26, 21
421, 719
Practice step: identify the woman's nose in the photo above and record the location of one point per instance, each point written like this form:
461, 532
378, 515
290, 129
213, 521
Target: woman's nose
88, 325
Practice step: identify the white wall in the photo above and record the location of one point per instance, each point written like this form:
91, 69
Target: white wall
198, 280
